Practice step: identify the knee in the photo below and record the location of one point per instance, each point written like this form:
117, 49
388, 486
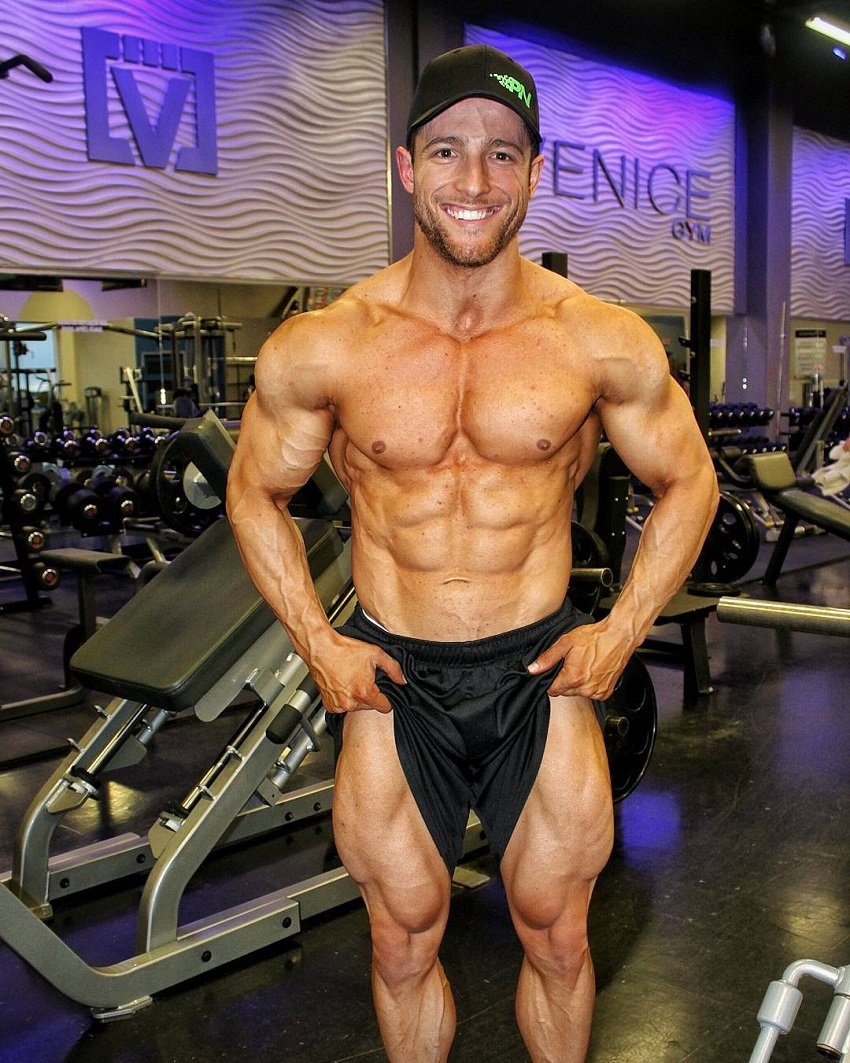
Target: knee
554, 935
401, 957
405, 949
559, 952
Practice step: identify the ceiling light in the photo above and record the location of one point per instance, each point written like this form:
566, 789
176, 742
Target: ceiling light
838, 31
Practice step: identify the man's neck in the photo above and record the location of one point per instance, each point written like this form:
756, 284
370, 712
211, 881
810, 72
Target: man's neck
463, 301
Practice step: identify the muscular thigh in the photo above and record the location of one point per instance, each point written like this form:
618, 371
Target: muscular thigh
564, 835
378, 829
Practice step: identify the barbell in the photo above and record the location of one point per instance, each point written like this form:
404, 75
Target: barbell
815, 619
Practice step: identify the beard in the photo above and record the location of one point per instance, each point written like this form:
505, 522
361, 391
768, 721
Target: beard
467, 253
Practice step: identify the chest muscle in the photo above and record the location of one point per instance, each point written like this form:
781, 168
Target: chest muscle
502, 402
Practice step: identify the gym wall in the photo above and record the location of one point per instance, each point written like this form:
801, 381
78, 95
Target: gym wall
115, 168
639, 180
196, 139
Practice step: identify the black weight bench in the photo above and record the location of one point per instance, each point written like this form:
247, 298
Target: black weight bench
186, 628
194, 638
774, 475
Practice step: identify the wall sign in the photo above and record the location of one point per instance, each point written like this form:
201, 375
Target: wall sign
205, 139
809, 351
154, 133
638, 185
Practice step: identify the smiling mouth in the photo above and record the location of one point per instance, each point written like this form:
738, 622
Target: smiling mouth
470, 214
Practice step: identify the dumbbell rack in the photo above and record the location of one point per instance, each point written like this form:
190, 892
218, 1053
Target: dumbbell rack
17, 511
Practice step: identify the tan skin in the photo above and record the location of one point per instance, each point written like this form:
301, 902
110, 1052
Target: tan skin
460, 394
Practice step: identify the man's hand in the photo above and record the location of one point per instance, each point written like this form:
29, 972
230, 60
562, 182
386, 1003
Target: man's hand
591, 665
348, 685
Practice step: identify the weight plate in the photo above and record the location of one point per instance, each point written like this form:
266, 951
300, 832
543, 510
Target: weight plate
169, 470
589, 551
631, 721
732, 544
197, 488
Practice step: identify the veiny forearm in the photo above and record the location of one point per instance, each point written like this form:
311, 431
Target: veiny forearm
669, 545
273, 552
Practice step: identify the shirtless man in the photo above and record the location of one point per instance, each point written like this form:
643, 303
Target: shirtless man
460, 393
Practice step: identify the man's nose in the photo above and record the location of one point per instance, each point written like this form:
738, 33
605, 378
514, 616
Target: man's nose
473, 179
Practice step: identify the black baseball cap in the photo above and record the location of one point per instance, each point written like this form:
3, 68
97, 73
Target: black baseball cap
476, 70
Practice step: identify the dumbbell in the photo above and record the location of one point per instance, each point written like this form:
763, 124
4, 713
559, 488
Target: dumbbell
7, 425
95, 443
38, 447
49, 577
19, 462
765, 416
65, 446
34, 539
122, 443
39, 485
146, 438
78, 506
25, 501
121, 502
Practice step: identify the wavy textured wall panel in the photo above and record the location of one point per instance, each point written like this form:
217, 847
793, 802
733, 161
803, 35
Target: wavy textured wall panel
820, 279
638, 246
300, 191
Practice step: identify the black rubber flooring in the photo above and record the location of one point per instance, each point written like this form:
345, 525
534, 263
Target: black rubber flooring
732, 861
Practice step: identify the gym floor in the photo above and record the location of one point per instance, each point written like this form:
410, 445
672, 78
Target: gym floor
731, 862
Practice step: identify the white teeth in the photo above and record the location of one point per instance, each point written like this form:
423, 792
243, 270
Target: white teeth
468, 215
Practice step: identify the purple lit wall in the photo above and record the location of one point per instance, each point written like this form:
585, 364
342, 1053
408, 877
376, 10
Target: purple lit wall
820, 276
639, 181
206, 139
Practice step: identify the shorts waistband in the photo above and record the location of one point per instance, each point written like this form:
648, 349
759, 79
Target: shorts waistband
474, 652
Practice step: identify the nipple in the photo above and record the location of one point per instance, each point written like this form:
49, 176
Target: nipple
544, 444
379, 446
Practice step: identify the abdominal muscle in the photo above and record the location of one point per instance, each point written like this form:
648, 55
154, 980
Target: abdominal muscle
455, 555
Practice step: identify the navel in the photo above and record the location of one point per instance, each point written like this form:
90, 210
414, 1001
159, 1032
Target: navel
379, 446
544, 444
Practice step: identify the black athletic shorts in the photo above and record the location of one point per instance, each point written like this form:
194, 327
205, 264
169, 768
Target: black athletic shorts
470, 724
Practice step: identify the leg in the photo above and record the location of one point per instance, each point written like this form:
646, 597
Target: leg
562, 841
390, 854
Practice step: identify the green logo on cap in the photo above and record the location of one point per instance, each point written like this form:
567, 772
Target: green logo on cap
514, 86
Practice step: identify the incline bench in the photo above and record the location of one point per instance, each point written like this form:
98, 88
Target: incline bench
192, 639
774, 476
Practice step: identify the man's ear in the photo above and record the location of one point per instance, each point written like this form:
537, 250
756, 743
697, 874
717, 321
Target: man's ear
404, 162
534, 174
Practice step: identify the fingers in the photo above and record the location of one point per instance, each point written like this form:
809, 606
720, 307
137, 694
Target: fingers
566, 686
390, 666
585, 670
368, 699
372, 701
548, 659
380, 702
554, 655
350, 684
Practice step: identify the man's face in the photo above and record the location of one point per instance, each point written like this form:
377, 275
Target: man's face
471, 181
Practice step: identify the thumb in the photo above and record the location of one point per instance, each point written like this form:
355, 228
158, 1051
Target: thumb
548, 659
391, 667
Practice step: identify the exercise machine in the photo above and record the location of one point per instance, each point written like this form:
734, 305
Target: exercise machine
776, 478
158, 657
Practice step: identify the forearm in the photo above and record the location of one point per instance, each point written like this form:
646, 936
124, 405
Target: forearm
670, 543
274, 555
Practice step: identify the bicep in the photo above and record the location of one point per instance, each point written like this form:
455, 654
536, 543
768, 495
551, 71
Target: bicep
650, 423
282, 438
